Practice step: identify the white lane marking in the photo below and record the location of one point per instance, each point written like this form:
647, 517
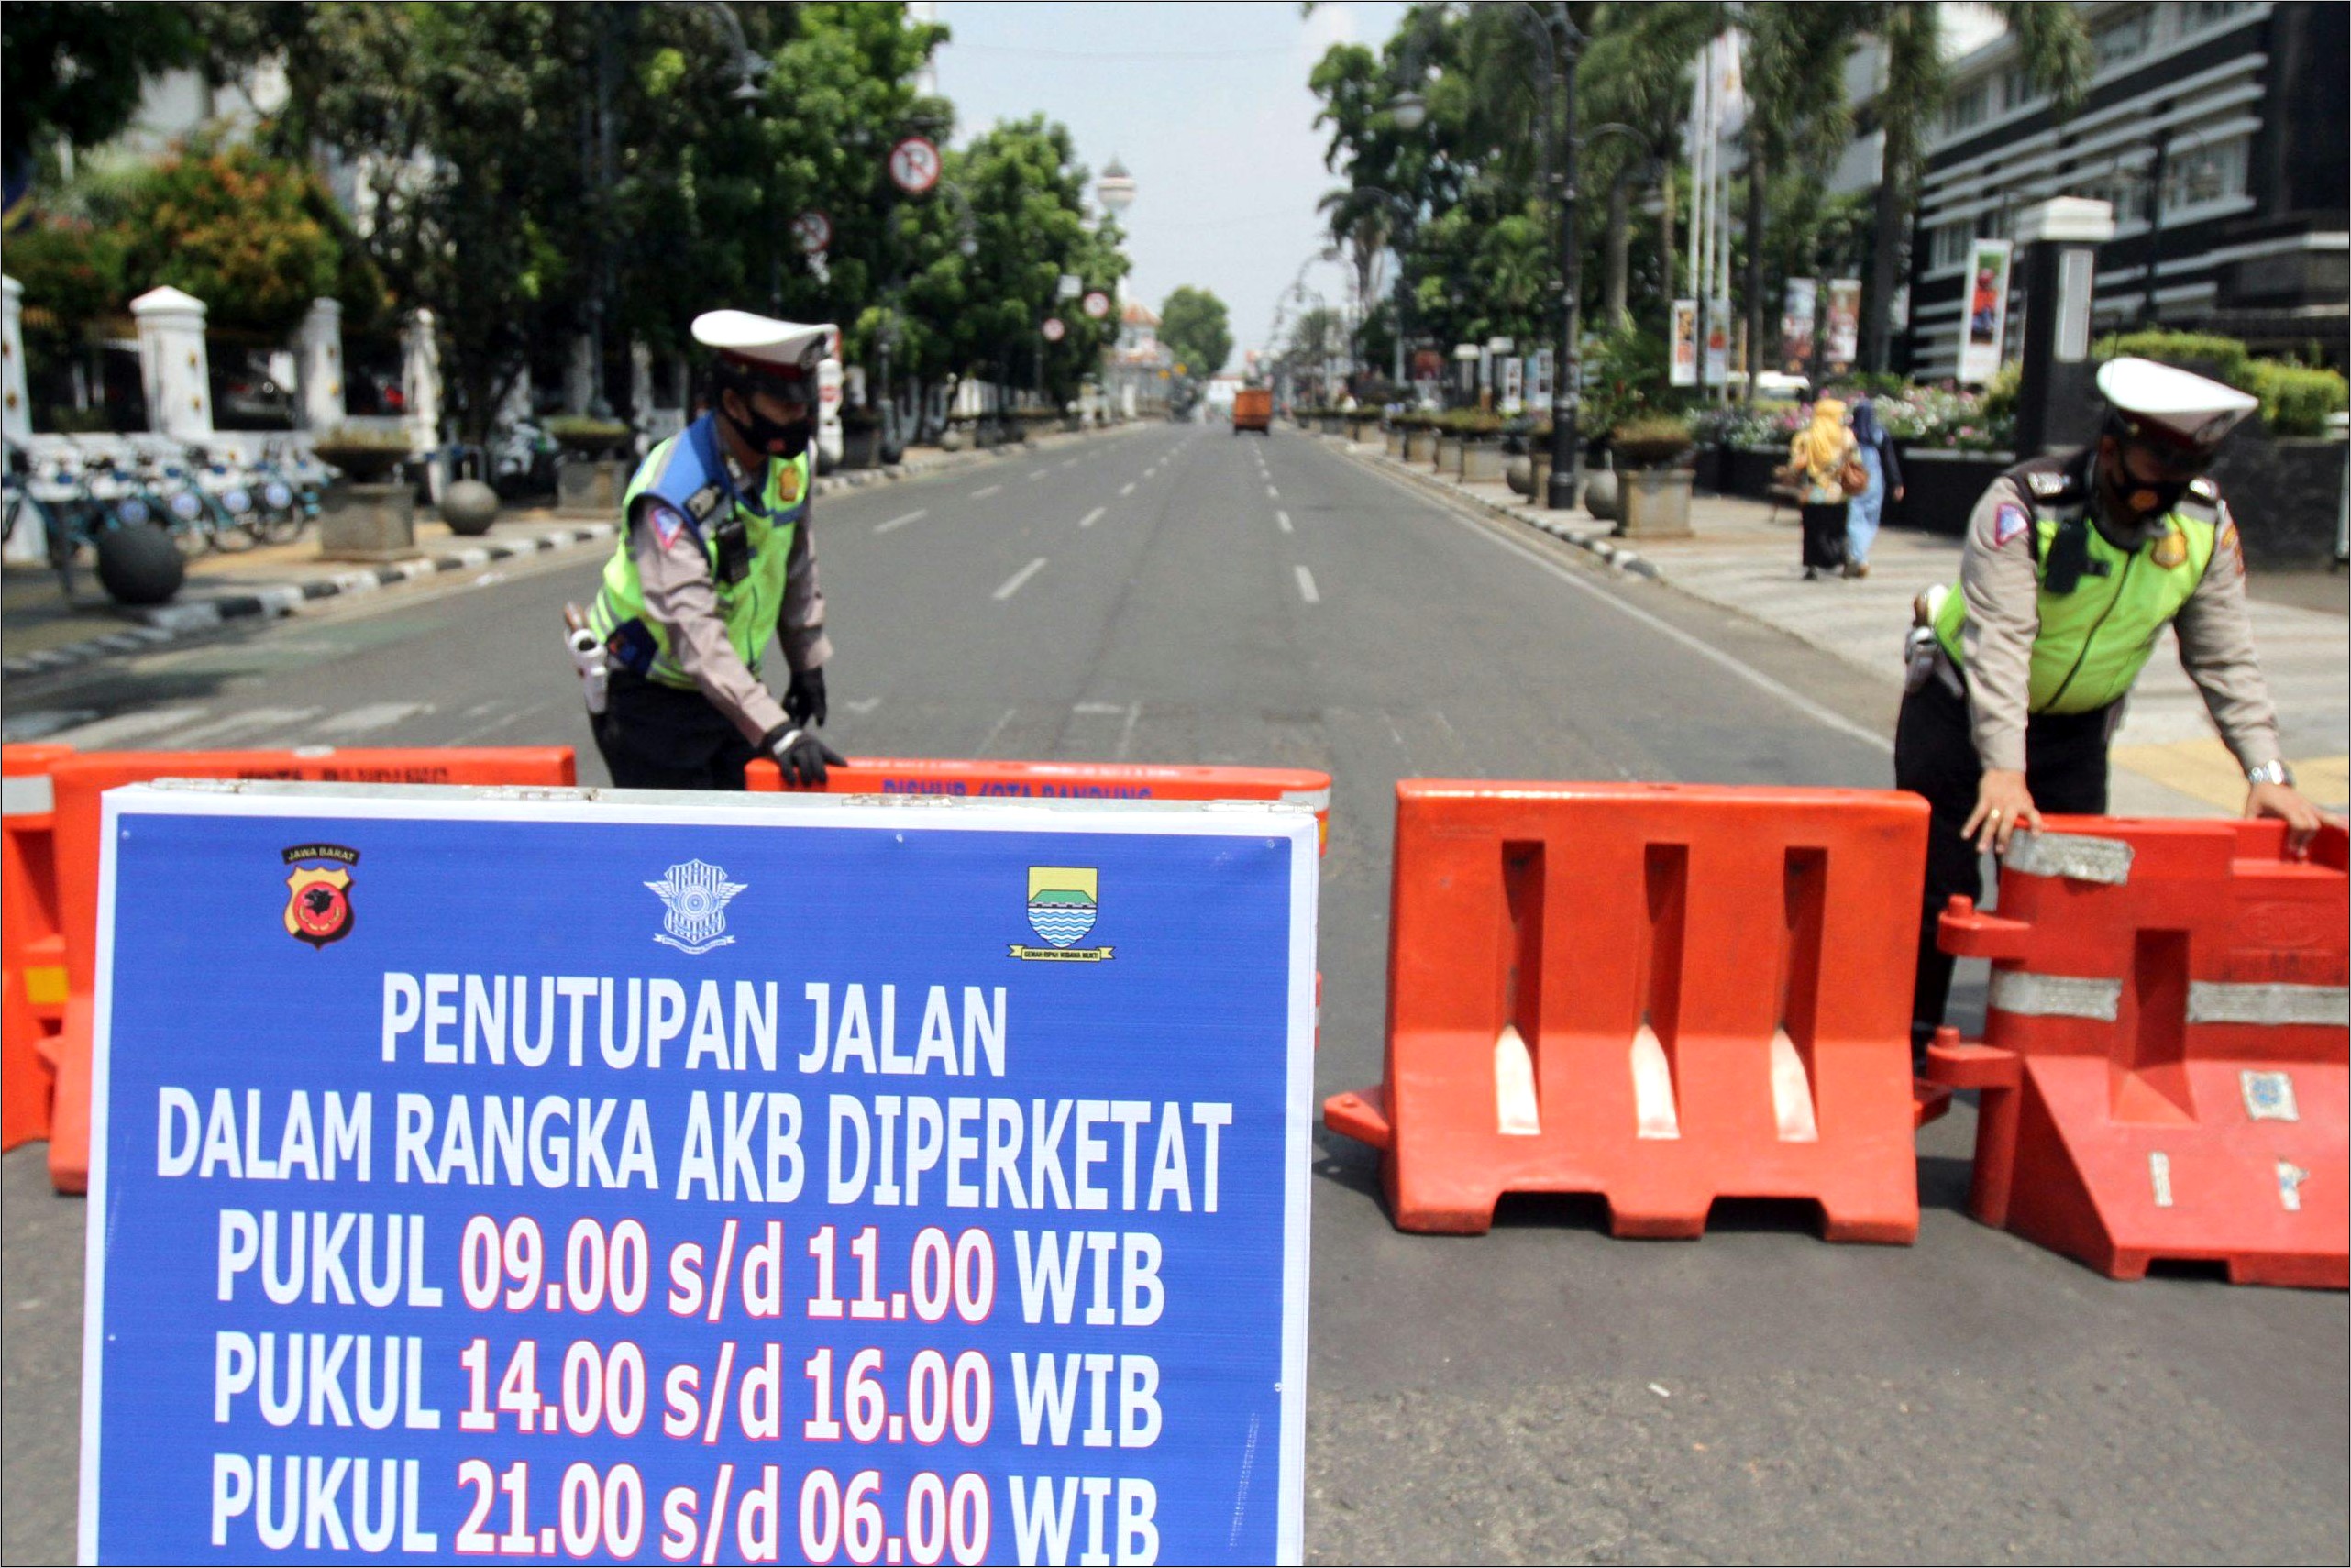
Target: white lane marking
914, 516
861, 705
372, 716
1036, 476
250, 723
986, 490
1012, 584
106, 732
1127, 489
1282, 519
993, 730
1069, 462
1272, 491
1305, 587
1092, 517
1095, 708
1126, 732
1698, 645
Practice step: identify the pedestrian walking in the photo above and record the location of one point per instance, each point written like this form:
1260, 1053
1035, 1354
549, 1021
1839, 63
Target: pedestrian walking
1875, 449
1817, 459
2018, 674
713, 559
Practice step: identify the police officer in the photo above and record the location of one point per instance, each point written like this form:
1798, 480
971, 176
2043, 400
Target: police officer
714, 556
2071, 568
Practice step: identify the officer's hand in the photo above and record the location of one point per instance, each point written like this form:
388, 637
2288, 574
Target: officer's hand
802, 756
804, 700
2286, 803
2002, 805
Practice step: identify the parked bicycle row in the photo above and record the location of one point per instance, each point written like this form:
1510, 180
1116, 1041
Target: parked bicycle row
75, 489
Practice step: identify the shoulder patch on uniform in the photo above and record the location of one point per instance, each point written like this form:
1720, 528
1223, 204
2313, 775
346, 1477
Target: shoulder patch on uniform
666, 525
2009, 522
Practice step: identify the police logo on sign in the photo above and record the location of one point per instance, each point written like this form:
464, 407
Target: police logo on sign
696, 894
318, 898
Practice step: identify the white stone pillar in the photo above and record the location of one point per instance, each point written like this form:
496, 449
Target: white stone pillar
518, 404
580, 376
420, 380
319, 372
171, 363
16, 408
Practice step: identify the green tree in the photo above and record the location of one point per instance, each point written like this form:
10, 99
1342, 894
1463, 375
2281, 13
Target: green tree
1194, 324
75, 70
256, 239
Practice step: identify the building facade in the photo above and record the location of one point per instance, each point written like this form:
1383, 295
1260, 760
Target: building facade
2234, 111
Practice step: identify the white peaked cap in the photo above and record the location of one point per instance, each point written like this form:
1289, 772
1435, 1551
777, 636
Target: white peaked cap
790, 349
2170, 403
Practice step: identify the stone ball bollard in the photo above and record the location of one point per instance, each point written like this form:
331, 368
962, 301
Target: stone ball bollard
139, 564
469, 507
1600, 495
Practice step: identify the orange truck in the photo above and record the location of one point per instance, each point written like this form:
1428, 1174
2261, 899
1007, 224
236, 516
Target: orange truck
1252, 409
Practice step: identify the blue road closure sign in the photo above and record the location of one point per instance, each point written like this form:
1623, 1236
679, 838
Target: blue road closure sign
533, 1174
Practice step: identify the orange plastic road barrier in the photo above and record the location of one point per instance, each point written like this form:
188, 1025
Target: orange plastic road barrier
1065, 780
2167, 1063
80, 781
32, 947
1662, 994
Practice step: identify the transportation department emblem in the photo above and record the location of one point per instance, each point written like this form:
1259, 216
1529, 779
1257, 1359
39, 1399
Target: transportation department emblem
696, 893
1063, 904
318, 898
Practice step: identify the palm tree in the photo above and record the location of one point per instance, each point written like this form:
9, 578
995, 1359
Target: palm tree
1794, 69
2055, 51
1638, 72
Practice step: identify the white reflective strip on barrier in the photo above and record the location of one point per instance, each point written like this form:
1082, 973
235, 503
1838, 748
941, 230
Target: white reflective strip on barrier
2071, 855
2054, 995
2215, 1001
27, 795
1318, 799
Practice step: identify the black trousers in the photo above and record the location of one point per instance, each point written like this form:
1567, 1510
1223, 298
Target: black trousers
659, 737
1824, 529
1933, 754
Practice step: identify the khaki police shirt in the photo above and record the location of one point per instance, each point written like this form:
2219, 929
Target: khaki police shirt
2003, 588
681, 594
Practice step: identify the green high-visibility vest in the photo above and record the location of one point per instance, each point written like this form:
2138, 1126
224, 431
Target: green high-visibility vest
682, 471
2094, 642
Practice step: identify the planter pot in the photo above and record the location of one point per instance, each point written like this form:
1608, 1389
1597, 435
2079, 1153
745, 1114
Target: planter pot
1601, 494
368, 523
1362, 430
1654, 503
585, 487
1395, 443
1480, 462
1449, 454
861, 448
1419, 445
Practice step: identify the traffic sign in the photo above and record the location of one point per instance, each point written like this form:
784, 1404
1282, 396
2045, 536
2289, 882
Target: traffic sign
654, 1179
1054, 329
813, 229
1070, 285
1097, 304
914, 165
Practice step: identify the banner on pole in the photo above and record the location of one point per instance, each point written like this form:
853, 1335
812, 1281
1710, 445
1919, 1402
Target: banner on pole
1987, 317
1685, 365
650, 1181
1843, 336
1798, 309
1719, 342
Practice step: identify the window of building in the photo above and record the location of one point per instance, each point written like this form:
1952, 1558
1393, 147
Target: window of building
2124, 37
2016, 88
1967, 107
2208, 174
2200, 14
1947, 247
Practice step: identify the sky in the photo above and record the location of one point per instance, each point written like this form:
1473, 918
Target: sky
1207, 105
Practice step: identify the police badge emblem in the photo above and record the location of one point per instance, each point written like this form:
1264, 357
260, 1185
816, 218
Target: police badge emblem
2171, 551
787, 484
318, 898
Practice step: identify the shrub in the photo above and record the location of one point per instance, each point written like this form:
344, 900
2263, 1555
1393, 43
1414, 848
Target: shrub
1651, 441
2297, 399
2206, 353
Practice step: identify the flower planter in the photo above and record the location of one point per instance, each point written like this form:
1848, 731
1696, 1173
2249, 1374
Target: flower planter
590, 487
1395, 443
1482, 462
1448, 456
368, 523
1419, 445
860, 448
1654, 503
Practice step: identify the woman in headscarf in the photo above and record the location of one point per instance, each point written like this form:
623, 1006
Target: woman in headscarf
1818, 454
1876, 451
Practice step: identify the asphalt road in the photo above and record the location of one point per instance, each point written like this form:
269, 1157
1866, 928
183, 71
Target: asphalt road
1544, 1393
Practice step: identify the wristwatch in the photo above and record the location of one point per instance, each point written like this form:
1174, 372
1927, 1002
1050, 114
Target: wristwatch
2270, 773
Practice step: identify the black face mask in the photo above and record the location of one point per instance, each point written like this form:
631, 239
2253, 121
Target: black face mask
776, 438
2140, 499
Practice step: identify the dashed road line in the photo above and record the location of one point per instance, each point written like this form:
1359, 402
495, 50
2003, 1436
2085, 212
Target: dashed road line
245, 726
1012, 584
1272, 491
914, 516
1069, 462
1127, 489
372, 716
985, 490
1036, 475
1092, 517
1282, 520
1306, 590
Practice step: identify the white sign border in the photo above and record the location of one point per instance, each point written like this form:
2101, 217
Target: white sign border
1233, 819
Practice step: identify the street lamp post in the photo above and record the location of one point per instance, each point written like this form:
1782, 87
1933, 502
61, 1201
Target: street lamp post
1115, 189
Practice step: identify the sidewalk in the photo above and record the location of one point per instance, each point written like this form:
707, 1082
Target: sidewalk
44, 632
1743, 556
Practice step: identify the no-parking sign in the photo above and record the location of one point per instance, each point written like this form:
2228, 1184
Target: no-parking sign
914, 165
528, 1175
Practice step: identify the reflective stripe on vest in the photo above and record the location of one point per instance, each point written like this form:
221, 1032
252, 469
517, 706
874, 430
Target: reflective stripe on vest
2094, 642
677, 473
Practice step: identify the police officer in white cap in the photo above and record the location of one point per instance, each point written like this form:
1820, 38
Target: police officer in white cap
714, 558
2071, 567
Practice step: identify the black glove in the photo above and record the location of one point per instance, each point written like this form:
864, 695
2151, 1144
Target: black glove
799, 754
804, 698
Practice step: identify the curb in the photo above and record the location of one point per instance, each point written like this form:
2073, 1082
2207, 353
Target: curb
166, 624
1593, 536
